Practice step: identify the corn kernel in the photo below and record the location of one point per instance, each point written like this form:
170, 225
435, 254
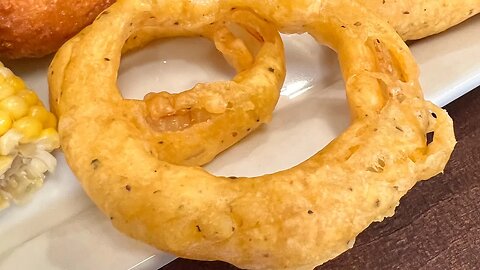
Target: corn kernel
16, 106
5, 122
29, 96
6, 90
40, 113
51, 121
17, 83
52, 139
48, 132
29, 127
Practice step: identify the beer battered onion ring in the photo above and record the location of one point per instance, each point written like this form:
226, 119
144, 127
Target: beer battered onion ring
293, 219
192, 127
414, 19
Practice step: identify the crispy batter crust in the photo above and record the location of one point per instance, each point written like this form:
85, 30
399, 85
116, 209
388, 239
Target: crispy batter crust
413, 19
293, 219
36, 28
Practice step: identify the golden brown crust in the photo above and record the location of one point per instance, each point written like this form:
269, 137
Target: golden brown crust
413, 19
37, 28
293, 219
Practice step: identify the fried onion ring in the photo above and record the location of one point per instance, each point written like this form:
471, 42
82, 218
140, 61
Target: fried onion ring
297, 218
414, 19
194, 126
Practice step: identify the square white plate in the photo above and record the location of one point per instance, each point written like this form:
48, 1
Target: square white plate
61, 229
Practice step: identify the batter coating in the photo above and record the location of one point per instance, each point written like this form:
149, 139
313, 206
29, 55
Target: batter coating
293, 219
414, 19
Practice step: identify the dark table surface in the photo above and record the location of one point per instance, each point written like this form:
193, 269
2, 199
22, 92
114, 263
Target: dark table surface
436, 226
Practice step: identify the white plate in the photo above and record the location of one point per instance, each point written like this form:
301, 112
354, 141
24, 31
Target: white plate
61, 229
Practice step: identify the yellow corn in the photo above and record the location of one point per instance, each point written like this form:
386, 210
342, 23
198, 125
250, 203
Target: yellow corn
5, 122
29, 97
27, 131
29, 126
15, 106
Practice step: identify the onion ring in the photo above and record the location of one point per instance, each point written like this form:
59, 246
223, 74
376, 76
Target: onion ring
297, 218
418, 19
194, 126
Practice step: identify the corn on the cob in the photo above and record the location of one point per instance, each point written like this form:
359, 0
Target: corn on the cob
27, 136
